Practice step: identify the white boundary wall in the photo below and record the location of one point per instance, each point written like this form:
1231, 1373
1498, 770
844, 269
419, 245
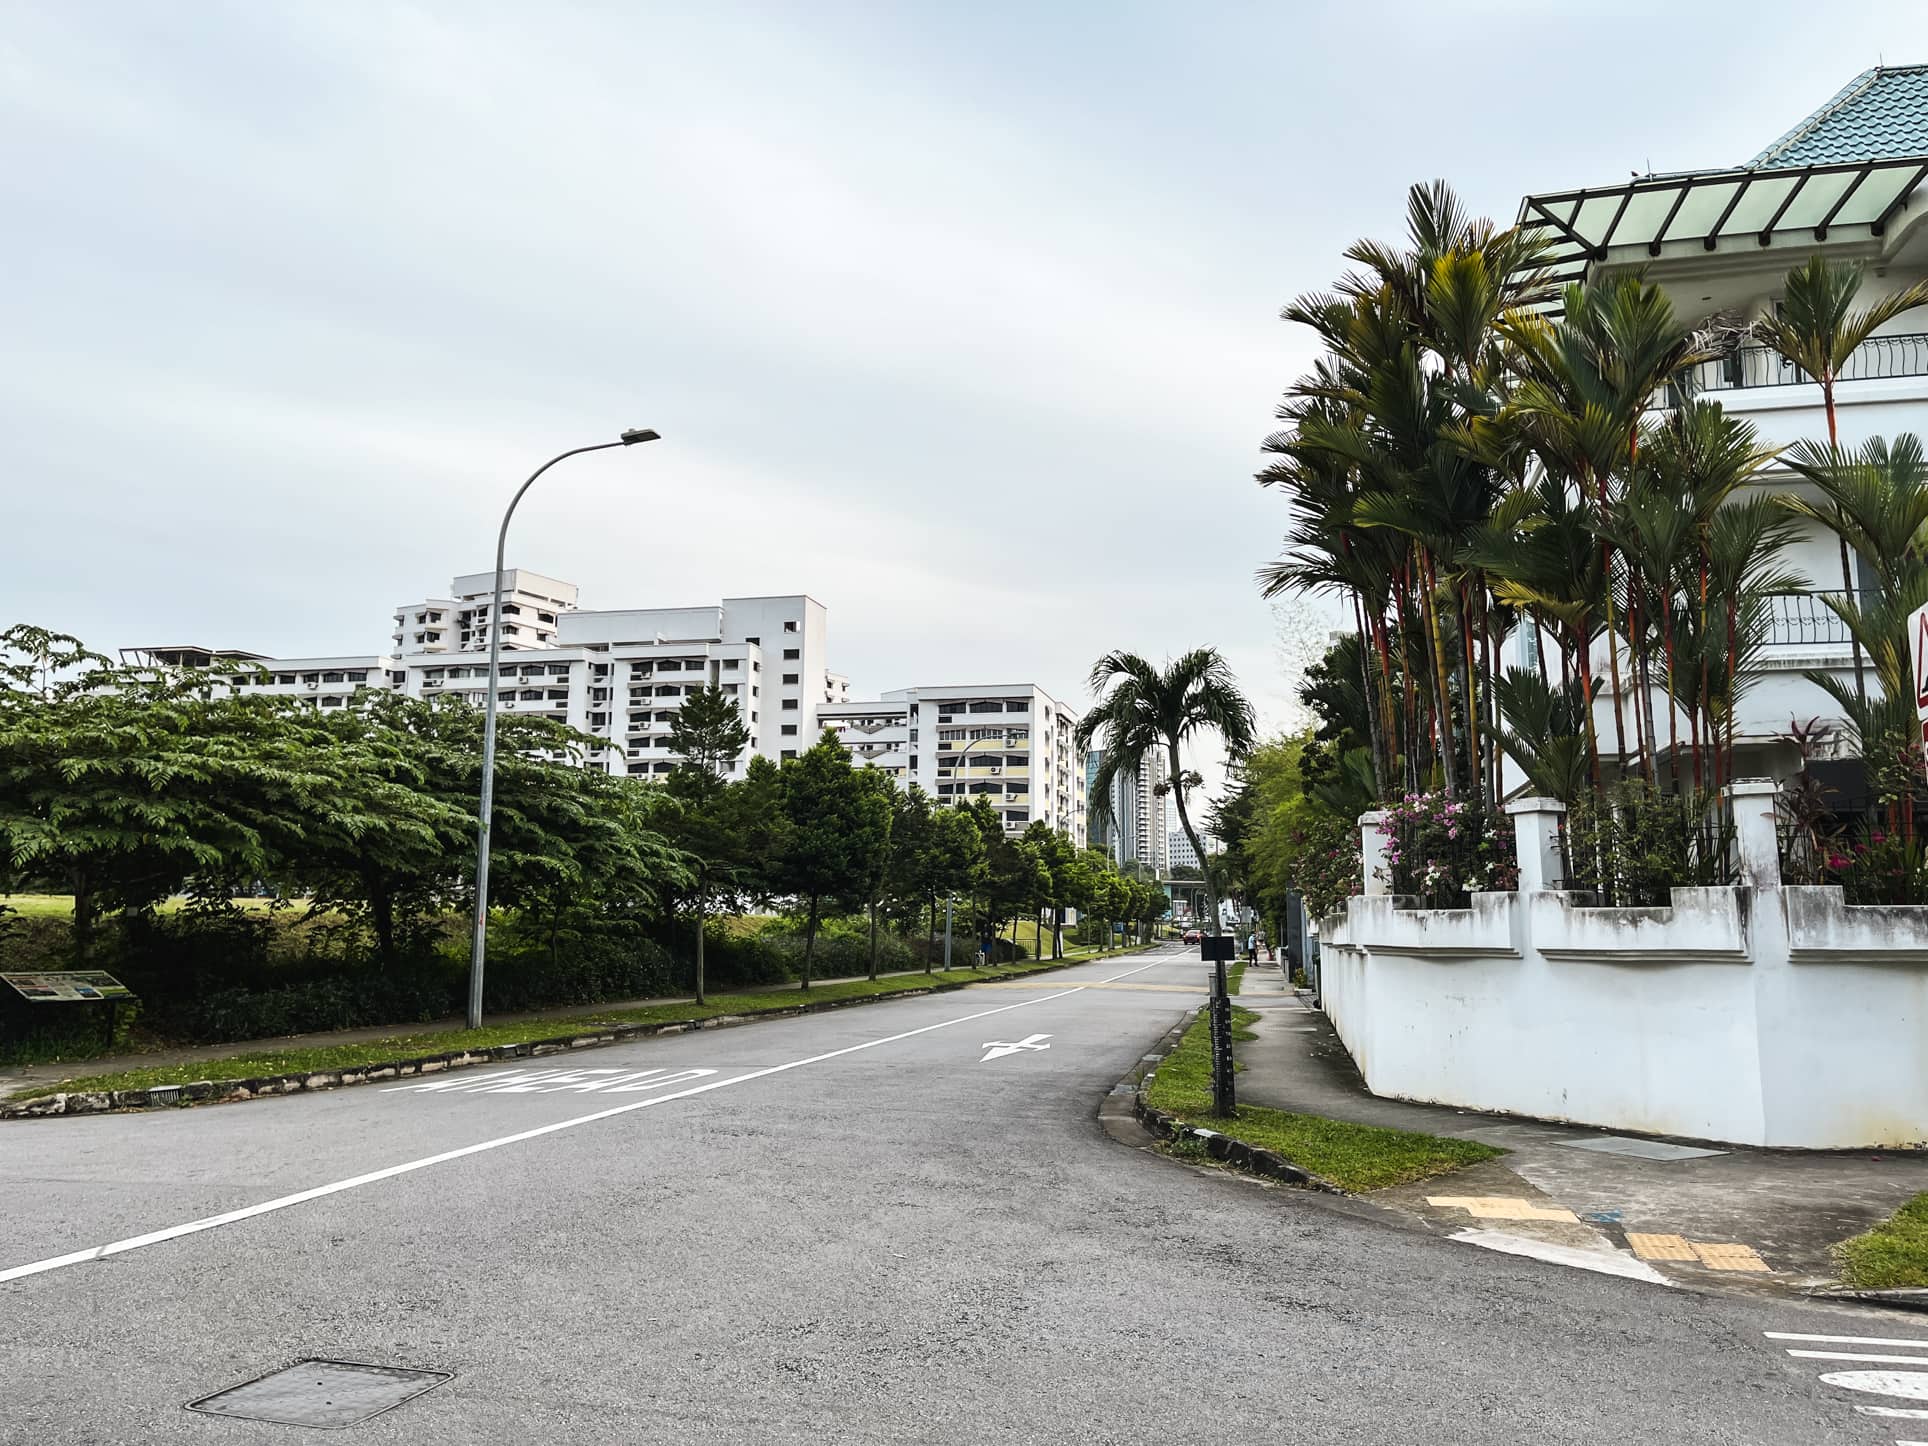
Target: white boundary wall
1760, 1014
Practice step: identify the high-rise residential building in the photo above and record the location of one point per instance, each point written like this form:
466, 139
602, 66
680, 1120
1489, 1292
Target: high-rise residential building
1179, 851
1009, 743
617, 674
1139, 813
1098, 825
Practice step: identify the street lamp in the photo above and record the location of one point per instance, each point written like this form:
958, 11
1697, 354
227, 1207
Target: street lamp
479, 943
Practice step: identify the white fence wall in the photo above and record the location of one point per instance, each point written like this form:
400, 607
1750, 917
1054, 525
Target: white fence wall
1760, 1014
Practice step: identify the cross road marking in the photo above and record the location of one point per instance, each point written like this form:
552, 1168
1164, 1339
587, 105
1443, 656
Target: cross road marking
998, 1049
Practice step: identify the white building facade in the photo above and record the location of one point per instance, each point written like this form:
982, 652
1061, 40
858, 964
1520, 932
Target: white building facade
1010, 744
618, 675
1846, 183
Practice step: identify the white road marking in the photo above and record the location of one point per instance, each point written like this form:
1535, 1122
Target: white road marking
1905, 1413
1606, 1262
997, 1049
556, 1081
301, 1197
1909, 1385
1859, 1356
1921, 1344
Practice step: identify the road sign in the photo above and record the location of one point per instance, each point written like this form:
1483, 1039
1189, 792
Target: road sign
1217, 946
997, 1049
67, 986
1918, 648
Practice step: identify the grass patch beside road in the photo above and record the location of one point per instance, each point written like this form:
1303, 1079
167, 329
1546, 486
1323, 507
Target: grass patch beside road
1893, 1255
320, 1058
1353, 1157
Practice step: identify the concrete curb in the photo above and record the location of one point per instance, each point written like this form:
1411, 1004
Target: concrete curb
1224, 1148
95, 1102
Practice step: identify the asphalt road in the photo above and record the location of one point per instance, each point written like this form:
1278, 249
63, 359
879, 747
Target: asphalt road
850, 1227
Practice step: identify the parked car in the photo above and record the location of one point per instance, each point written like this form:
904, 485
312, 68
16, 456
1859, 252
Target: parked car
1192, 936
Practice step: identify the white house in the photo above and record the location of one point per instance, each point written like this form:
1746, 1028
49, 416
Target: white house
1846, 183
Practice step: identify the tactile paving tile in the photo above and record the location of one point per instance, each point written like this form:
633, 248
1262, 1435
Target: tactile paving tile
1730, 1257
1660, 1247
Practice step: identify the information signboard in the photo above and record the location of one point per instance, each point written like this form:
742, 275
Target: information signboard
67, 986
1217, 946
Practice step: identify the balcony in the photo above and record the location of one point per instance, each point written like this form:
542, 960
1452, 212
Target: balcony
1747, 367
1804, 620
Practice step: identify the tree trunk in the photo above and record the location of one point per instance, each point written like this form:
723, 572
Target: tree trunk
1443, 703
930, 941
809, 941
1191, 837
701, 997
873, 937
85, 917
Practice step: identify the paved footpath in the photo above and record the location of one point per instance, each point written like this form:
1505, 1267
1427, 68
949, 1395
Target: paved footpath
895, 1223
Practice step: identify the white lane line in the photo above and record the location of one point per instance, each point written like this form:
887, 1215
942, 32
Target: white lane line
1858, 1356
1909, 1385
300, 1197
1605, 1262
1903, 1413
1920, 1344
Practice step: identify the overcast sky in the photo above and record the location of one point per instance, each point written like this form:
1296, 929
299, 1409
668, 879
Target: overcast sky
960, 317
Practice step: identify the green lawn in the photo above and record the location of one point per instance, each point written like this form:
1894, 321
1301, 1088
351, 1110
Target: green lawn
1353, 1157
1893, 1255
443, 1041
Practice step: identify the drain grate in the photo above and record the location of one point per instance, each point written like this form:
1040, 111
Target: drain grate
328, 1394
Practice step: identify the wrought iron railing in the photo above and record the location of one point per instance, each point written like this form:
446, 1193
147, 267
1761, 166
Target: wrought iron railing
1759, 366
1801, 619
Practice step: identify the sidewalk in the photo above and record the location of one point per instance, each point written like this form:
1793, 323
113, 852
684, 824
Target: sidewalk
1705, 1215
17, 1077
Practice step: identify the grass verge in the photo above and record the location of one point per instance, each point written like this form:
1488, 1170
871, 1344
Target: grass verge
1353, 1157
1893, 1255
319, 1058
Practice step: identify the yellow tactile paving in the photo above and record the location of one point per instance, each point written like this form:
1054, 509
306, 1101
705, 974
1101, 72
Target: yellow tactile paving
1660, 1247
1502, 1207
1730, 1257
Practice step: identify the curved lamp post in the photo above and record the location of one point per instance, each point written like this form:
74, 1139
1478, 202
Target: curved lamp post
479, 943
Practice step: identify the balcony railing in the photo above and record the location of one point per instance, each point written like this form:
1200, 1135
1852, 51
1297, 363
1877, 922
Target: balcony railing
1803, 619
1759, 366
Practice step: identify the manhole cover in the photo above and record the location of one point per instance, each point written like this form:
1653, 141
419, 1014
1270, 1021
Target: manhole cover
329, 1394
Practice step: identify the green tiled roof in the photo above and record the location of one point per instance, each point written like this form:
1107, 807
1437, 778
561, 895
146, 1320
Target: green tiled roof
1879, 115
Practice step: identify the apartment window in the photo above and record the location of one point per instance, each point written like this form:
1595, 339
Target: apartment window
982, 708
729, 664
756, 667
284, 677
757, 641
639, 768
558, 695
665, 768
545, 617
753, 717
788, 753
789, 705
510, 610
755, 691
669, 665
558, 670
790, 678
790, 626
789, 730
731, 688
790, 655
913, 762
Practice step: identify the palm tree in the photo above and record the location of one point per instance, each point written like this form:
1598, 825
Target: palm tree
1818, 329
1142, 710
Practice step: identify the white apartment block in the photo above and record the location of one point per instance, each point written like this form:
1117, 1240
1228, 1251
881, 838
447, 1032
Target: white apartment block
532, 608
1010, 743
1140, 828
1179, 850
617, 675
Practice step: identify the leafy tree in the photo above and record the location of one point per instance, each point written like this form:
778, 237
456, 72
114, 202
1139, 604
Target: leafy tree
837, 830
709, 735
951, 863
